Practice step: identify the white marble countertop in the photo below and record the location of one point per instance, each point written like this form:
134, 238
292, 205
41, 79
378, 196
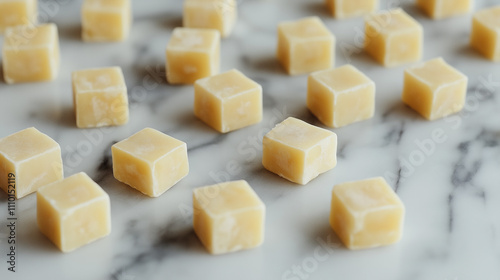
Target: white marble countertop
451, 189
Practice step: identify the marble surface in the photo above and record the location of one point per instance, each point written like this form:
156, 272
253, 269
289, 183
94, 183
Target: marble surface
450, 183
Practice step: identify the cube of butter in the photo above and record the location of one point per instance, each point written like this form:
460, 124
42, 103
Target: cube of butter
73, 212
33, 58
228, 217
29, 159
341, 96
228, 101
351, 8
215, 14
298, 151
100, 97
366, 214
17, 12
393, 38
192, 54
434, 89
485, 36
106, 20
438, 9
150, 161
305, 45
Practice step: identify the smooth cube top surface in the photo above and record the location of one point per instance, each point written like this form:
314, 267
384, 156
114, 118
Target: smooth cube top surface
489, 17
193, 39
149, 144
102, 79
32, 37
74, 191
391, 21
435, 73
343, 78
26, 144
306, 28
228, 84
109, 5
227, 197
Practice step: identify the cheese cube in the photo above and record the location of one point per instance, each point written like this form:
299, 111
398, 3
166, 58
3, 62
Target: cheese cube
73, 212
305, 46
341, 96
351, 8
215, 14
17, 12
150, 161
29, 159
192, 54
485, 36
438, 9
298, 151
106, 20
393, 38
434, 89
228, 101
100, 97
33, 58
366, 214
228, 217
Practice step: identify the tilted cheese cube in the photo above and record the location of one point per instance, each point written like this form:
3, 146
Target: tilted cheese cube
228, 217
30, 54
30, 157
100, 97
106, 20
298, 151
73, 212
305, 45
215, 14
393, 38
17, 12
228, 101
366, 214
485, 36
434, 89
192, 54
351, 8
341, 96
438, 9
150, 161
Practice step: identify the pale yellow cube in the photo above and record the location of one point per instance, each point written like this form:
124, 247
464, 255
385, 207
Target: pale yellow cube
150, 161
215, 14
393, 38
73, 212
305, 45
228, 101
434, 89
438, 9
485, 36
29, 159
17, 12
100, 97
106, 20
33, 58
192, 54
228, 217
367, 214
351, 8
341, 96
298, 151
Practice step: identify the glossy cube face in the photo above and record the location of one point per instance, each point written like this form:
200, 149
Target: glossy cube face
17, 12
438, 9
150, 161
434, 89
393, 38
29, 159
106, 20
305, 45
228, 101
485, 36
73, 212
366, 214
215, 14
31, 54
100, 97
228, 217
351, 8
298, 151
341, 96
192, 54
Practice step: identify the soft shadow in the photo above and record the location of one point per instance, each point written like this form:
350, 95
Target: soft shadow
73, 33
2, 81
266, 64
325, 237
466, 50
317, 9
171, 21
67, 117
399, 111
